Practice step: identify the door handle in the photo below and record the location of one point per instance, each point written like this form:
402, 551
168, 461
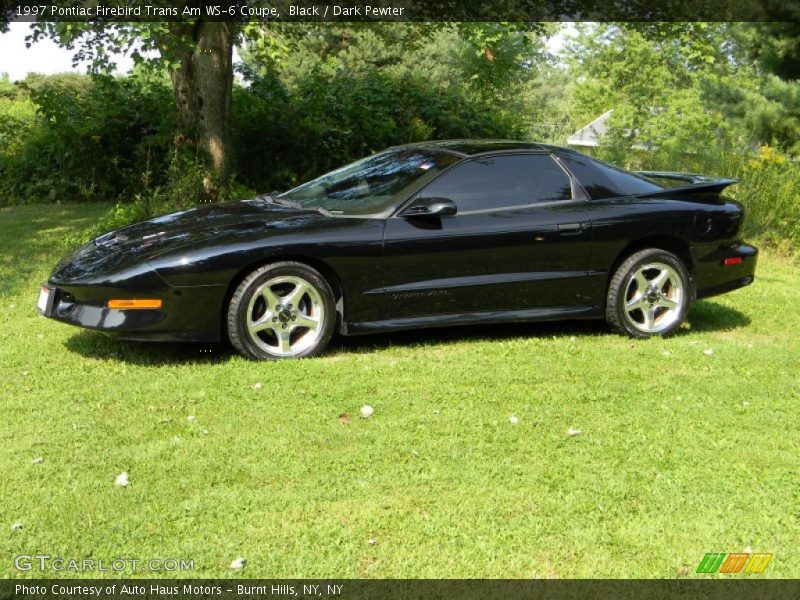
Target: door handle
573, 227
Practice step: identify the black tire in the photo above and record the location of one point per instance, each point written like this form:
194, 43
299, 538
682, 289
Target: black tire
623, 292
249, 306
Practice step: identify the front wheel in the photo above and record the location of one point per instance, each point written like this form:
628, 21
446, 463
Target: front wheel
282, 310
649, 294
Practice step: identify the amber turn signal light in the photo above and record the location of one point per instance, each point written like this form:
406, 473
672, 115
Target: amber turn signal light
134, 303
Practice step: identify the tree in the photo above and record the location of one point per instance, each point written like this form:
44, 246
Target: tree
763, 95
487, 63
749, 73
198, 55
201, 59
683, 88
775, 45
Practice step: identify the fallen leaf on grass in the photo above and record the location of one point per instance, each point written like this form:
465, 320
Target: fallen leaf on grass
344, 419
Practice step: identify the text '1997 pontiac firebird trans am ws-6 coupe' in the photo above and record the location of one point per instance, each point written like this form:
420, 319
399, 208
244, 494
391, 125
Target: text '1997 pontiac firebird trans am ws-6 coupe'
422, 235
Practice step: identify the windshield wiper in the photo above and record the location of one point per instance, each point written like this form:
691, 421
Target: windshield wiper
272, 199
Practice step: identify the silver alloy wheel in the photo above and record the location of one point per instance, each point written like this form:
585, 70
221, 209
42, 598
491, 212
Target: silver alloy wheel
654, 298
285, 316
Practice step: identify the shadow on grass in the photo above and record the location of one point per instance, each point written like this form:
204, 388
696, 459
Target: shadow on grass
710, 316
488, 333
704, 317
92, 344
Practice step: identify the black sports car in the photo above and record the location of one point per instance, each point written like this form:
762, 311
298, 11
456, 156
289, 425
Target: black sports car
423, 235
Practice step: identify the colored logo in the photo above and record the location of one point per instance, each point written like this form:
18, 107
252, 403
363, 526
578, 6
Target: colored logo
736, 562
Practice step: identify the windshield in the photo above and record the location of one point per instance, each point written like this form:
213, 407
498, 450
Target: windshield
371, 185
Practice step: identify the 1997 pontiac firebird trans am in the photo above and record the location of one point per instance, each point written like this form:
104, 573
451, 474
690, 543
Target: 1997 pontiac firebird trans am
423, 235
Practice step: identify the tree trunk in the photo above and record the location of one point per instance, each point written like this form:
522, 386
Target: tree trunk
203, 85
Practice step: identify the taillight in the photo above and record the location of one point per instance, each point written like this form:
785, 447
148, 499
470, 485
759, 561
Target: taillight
732, 260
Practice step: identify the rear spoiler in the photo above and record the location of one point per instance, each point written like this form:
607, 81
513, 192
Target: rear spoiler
698, 184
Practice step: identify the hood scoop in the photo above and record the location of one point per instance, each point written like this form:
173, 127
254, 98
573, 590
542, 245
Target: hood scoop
110, 240
115, 238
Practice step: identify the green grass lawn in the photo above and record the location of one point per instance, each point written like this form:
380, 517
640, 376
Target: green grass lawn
681, 452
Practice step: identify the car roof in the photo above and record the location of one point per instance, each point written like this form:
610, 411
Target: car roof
475, 147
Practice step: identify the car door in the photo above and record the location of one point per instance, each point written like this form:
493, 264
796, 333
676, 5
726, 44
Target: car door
520, 240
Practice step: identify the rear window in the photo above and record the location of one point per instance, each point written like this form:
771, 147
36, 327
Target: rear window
601, 180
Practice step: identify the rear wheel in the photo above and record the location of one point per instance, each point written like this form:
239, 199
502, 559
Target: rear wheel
282, 310
649, 294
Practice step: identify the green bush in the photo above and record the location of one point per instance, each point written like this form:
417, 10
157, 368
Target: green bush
284, 136
90, 138
769, 191
73, 138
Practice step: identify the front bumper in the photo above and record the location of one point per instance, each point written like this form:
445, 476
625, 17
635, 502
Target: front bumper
186, 314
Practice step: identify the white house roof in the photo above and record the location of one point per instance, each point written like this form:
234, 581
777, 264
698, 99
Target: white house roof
590, 134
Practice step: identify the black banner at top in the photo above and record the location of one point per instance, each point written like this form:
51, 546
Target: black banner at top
99, 11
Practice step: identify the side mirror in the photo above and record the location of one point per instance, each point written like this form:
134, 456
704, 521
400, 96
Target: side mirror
431, 207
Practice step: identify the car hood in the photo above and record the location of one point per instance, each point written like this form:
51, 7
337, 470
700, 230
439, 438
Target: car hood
168, 232
133, 245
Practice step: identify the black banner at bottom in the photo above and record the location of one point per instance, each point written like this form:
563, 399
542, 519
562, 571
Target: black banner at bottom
405, 589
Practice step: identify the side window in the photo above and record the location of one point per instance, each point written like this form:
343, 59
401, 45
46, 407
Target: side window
502, 181
601, 180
